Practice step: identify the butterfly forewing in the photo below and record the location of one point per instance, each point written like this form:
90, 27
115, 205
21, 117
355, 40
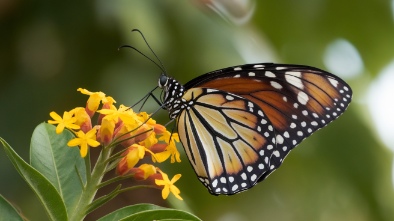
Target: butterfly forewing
222, 134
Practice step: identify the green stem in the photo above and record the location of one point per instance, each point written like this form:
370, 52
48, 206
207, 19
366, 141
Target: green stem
113, 180
87, 167
137, 187
92, 185
112, 165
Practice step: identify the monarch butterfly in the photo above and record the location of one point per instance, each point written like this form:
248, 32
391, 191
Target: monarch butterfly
237, 124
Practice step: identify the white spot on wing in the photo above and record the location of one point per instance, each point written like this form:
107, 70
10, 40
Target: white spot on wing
228, 97
253, 177
270, 74
294, 78
235, 187
279, 139
215, 183
302, 97
276, 85
333, 82
211, 90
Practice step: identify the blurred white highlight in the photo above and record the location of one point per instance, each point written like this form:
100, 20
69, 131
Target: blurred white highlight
342, 58
238, 12
381, 106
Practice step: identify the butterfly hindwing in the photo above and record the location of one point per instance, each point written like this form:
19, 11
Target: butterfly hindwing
227, 139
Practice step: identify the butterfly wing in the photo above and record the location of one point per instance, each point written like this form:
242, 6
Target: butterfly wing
297, 100
227, 138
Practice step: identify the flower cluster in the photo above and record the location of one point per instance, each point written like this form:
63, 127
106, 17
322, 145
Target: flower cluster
138, 133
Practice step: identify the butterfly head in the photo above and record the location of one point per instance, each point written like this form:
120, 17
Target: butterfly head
172, 94
163, 81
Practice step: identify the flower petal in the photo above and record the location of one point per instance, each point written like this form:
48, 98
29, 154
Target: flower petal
59, 128
55, 116
74, 142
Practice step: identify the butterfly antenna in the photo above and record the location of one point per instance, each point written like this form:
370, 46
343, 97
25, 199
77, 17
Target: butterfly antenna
135, 49
146, 42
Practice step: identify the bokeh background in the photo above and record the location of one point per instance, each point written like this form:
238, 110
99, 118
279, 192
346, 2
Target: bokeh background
48, 49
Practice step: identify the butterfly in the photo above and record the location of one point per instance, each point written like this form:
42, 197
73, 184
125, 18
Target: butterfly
238, 124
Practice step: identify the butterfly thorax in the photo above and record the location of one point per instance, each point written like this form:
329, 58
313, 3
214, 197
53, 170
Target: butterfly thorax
172, 97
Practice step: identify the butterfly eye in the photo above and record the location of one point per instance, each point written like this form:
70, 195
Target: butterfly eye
163, 80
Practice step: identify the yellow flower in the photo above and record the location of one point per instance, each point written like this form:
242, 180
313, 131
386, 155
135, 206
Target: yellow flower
94, 100
131, 156
166, 137
146, 117
136, 152
106, 130
68, 121
171, 148
84, 141
150, 140
144, 171
108, 100
161, 157
125, 113
83, 119
169, 185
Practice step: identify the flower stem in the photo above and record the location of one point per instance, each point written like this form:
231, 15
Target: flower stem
92, 185
113, 180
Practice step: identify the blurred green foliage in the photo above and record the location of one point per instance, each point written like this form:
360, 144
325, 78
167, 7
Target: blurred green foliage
48, 49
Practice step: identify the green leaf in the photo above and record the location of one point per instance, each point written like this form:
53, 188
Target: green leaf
61, 165
143, 212
46, 192
8, 211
